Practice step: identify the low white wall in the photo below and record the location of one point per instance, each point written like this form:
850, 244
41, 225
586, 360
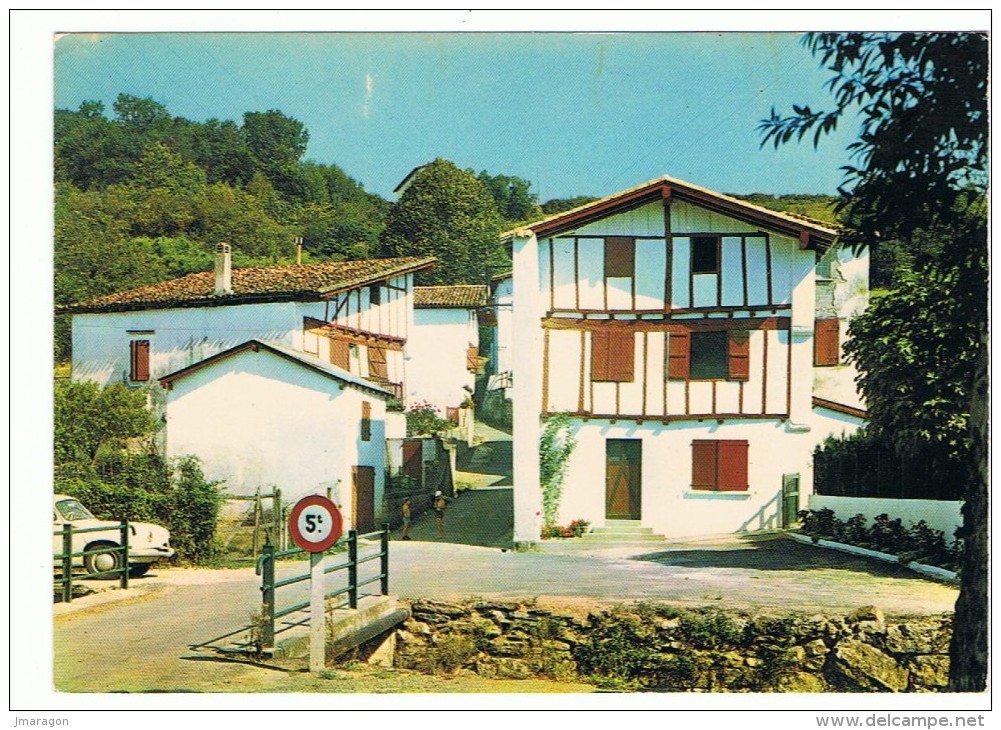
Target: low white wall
940, 515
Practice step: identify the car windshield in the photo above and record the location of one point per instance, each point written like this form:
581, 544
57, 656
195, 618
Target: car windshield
71, 509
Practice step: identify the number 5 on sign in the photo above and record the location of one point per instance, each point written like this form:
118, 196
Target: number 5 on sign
315, 523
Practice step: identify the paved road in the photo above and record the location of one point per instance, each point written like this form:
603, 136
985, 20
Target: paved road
120, 645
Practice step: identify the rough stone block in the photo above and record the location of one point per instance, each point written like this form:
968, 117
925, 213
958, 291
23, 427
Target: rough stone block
868, 668
929, 672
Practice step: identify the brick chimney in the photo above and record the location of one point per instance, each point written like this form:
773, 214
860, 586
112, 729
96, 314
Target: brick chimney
223, 270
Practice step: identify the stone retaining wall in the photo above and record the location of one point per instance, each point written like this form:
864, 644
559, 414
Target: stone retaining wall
652, 646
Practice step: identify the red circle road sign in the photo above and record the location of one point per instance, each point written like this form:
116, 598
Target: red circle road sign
315, 523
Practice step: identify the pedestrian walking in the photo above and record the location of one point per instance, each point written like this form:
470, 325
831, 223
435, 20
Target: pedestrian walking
405, 509
438, 505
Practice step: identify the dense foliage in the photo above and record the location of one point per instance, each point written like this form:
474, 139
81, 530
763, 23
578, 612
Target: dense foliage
818, 207
921, 169
917, 542
448, 213
105, 455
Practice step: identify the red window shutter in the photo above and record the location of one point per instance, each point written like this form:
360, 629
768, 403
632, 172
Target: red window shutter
679, 365
139, 357
826, 348
620, 256
739, 354
732, 467
366, 421
377, 368
621, 357
704, 465
339, 354
472, 359
612, 356
599, 355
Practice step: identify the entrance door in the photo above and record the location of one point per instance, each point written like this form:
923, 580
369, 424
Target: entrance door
623, 461
363, 479
413, 460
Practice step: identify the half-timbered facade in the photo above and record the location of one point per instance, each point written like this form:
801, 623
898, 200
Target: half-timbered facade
676, 327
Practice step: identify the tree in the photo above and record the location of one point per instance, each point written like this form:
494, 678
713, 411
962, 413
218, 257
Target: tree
561, 205
88, 418
513, 196
448, 213
277, 143
920, 163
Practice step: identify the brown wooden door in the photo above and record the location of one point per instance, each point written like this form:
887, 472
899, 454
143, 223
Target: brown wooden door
623, 469
363, 478
413, 459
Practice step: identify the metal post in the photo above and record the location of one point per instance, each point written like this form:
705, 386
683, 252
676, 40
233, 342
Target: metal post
276, 516
67, 562
125, 555
257, 521
353, 568
268, 597
317, 614
385, 559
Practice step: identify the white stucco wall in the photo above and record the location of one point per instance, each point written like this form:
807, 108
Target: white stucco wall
180, 337
500, 355
940, 515
436, 357
186, 335
256, 420
668, 503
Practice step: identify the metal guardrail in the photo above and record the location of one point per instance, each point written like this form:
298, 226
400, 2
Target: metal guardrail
67, 555
270, 585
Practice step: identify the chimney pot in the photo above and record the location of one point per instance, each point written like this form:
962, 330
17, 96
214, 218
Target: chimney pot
223, 270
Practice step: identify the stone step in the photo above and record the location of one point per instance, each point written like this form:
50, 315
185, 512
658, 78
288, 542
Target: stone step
614, 538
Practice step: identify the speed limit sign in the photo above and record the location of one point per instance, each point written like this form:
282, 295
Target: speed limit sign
315, 523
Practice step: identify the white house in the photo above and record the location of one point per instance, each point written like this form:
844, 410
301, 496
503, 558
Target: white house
502, 299
675, 326
443, 346
354, 314
261, 414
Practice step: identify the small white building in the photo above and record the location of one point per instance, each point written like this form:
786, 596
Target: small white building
502, 301
262, 415
676, 328
443, 347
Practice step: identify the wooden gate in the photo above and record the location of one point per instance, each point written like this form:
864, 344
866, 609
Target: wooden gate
363, 480
790, 499
623, 469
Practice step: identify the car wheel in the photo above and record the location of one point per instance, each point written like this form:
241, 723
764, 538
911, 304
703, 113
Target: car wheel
137, 570
103, 562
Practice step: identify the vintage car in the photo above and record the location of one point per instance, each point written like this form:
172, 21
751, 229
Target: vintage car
148, 543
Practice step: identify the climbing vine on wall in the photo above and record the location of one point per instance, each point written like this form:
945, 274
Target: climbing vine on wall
556, 444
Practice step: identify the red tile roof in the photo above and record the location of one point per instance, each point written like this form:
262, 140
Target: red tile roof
299, 282
454, 296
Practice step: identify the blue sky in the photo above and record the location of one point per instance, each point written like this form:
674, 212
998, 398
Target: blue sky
577, 114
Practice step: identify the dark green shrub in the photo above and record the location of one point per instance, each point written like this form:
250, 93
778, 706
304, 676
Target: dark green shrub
709, 630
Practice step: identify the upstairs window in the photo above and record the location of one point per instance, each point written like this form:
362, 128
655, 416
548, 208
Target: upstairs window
620, 257
719, 466
612, 356
378, 369
705, 254
720, 355
139, 361
375, 295
339, 354
366, 421
826, 347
